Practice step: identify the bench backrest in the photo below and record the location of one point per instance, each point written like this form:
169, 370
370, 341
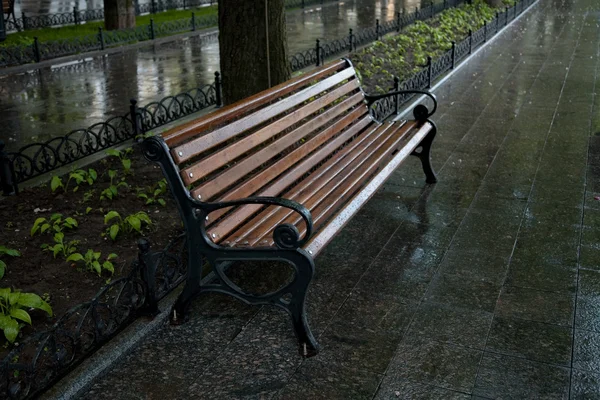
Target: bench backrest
241, 149
7, 6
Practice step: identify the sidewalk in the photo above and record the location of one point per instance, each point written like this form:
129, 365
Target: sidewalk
486, 285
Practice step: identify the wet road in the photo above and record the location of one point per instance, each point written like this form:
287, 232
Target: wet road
49, 102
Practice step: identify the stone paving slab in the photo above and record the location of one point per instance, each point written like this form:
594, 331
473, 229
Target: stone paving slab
483, 286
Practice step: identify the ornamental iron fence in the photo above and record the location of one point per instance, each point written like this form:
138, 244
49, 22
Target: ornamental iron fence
40, 360
77, 16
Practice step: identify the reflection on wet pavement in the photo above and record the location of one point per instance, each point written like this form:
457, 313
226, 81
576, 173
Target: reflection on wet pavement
486, 285
50, 102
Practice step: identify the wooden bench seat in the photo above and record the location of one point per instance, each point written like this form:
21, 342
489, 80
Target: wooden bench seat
276, 176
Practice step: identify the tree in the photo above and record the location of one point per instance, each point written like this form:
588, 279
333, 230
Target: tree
252, 60
119, 14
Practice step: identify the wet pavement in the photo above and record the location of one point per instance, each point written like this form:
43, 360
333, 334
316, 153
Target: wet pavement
485, 285
49, 102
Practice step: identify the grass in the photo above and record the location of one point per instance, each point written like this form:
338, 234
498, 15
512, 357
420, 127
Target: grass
91, 28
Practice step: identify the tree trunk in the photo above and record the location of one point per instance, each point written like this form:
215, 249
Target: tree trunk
119, 14
248, 64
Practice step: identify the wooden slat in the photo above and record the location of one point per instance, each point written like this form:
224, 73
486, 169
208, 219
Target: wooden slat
324, 200
224, 227
218, 136
328, 175
344, 193
241, 169
353, 204
225, 156
175, 136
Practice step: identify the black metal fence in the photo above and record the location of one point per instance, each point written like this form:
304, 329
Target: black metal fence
39, 361
39, 51
77, 16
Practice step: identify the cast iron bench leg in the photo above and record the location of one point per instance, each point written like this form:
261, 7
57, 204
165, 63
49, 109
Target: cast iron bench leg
425, 154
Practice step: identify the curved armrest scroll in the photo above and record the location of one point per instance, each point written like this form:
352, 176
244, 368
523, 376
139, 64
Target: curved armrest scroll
286, 236
421, 112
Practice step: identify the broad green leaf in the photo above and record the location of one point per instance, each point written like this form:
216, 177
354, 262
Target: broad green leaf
11, 252
114, 231
21, 314
10, 327
135, 222
87, 210
144, 217
55, 183
36, 225
110, 215
162, 202
2, 268
112, 173
34, 301
58, 237
157, 192
76, 188
97, 267
92, 173
97, 255
142, 195
13, 298
71, 221
111, 256
45, 228
57, 248
75, 257
113, 152
109, 266
4, 293
149, 201
126, 164
55, 216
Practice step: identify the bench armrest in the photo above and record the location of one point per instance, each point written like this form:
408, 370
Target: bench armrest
285, 236
420, 112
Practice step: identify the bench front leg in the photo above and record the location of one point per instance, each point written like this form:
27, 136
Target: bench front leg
423, 152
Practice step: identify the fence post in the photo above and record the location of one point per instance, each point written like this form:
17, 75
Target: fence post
24, 18
101, 37
484, 31
453, 54
470, 41
416, 13
445, 4
75, 14
396, 97
429, 77
7, 173
37, 55
302, 3
497, 20
147, 267
218, 88
152, 32
184, 5
193, 22
350, 41
398, 21
431, 7
153, 7
377, 29
318, 52
135, 122
506, 16
137, 7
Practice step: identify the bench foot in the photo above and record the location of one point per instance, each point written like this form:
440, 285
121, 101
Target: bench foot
424, 154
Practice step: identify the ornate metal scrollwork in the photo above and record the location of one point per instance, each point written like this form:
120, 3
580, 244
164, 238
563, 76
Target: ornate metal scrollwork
286, 236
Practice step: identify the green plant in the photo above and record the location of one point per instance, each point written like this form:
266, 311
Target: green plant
154, 194
61, 247
78, 176
88, 195
5, 251
12, 313
113, 190
91, 260
55, 222
128, 224
123, 156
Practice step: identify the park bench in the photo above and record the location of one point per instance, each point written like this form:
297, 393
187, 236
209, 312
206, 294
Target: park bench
277, 175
